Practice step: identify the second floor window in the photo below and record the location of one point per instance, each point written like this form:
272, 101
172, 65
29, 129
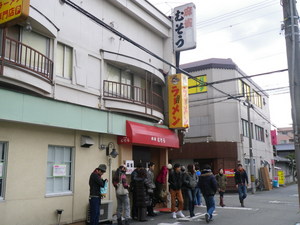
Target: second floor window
64, 61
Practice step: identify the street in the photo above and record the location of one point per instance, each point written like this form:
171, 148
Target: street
276, 207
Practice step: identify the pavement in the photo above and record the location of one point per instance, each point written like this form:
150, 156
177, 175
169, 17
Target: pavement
279, 206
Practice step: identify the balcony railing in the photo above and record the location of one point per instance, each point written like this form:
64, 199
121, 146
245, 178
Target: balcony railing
133, 94
21, 55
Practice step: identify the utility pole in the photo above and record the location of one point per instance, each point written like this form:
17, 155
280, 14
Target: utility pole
252, 172
290, 18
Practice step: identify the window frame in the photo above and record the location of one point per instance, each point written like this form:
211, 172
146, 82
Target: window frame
65, 46
259, 133
71, 176
4, 169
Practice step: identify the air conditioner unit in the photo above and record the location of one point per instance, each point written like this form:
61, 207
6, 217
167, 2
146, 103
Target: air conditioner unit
106, 211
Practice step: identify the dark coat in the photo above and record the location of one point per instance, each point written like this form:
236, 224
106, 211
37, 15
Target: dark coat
141, 195
95, 183
207, 183
176, 180
241, 177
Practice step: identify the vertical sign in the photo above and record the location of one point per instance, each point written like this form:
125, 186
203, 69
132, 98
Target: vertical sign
184, 27
274, 137
13, 11
178, 101
281, 179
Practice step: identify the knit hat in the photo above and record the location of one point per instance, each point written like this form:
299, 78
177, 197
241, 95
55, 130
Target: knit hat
169, 166
102, 167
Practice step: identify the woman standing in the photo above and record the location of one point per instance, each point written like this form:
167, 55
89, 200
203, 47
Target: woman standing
123, 205
222, 182
190, 181
142, 189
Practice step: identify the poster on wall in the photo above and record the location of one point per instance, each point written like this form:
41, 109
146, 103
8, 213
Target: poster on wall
1, 169
59, 170
130, 166
229, 172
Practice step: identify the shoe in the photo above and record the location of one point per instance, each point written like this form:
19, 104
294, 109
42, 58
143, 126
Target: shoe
242, 203
126, 222
192, 215
174, 215
180, 214
207, 219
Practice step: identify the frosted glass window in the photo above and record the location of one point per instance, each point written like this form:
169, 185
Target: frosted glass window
62, 156
64, 61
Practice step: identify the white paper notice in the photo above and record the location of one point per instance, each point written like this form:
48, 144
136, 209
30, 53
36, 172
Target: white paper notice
59, 170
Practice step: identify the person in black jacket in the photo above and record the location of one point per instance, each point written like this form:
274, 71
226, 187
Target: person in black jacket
241, 181
191, 181
208, 185
96, 182
175, 181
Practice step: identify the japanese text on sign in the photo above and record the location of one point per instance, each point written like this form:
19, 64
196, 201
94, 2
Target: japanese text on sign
178, 101
13, 9
184, 27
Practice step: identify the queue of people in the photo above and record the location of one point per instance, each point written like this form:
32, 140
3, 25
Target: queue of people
146, 191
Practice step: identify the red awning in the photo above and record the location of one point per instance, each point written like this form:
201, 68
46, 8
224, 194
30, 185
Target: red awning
137, 133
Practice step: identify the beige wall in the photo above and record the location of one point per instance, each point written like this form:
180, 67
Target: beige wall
25, 201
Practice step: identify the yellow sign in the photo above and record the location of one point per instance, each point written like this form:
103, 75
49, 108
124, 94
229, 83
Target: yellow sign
281, 179
197, 86
178, 101
13, 11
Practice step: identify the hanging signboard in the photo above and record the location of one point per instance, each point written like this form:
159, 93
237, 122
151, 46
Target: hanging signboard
13, 12
184, 28
129, 166
59, 170
178, 101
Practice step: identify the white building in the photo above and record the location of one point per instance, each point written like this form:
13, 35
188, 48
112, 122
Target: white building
218, 134
70, 89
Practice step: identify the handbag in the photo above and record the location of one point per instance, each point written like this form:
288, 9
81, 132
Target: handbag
120, 188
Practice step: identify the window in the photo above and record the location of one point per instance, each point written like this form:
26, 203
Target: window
291, 140
196, 87
3, 152
64, 61
245, 127
244, 90
59, 170
257, 99
259, 133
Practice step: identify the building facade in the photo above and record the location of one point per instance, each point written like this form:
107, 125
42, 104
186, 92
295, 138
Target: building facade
219, 131
73, 90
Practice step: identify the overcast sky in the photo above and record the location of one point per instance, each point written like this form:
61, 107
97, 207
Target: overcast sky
248, 32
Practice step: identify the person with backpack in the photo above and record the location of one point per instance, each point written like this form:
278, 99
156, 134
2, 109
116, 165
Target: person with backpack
208, 185
123, 205
190, 181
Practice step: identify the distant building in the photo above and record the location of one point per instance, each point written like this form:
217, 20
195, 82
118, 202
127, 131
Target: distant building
219, 133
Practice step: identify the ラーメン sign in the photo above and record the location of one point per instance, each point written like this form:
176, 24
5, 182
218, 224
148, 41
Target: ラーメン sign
178, 101
13, 11
184, 27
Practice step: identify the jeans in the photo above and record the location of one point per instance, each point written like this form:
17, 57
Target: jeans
123, 206
176, 194
94, 210
198, 200
242, 189
210, 204
191, 193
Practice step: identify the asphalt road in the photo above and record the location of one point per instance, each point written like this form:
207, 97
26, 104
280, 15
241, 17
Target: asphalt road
276, 207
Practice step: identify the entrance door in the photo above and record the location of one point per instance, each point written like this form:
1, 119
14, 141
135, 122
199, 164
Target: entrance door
142, 155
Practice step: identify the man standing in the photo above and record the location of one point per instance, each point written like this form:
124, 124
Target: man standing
150, 176
176, 180
208, 185
241, 181
96, 182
